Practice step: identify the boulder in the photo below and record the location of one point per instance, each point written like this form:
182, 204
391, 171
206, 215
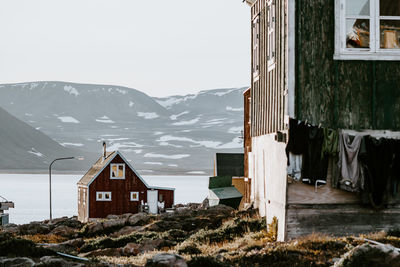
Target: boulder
17, 262
371, 255
131, 249
57, 262
10, 228
94, 228
33, 229
139, 219
67, 246
64, 231
166, 260
111, 252
151, 244
126, 215
126, 230
112, 217
114, 223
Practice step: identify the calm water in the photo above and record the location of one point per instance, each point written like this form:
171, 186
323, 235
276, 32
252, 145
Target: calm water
30, 193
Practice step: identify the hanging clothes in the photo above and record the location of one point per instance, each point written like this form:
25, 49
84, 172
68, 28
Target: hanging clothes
330, 149
315, 166
378, 159
396, 167
295, 147
297, 143
348, 164
294, 167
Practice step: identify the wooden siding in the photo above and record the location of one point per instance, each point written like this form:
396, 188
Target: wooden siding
246, 127
269, 83
339, 219
340, 94
120, 193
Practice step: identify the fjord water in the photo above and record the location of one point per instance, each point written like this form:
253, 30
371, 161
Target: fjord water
30, 193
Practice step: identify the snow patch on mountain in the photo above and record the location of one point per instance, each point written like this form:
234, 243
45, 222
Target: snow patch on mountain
229, 108
35, 152
72, 144
68, 119
174, 117
205, 143
105, 119
153, 163
148, 115
71, 90
224, 92
178, 156
190, 122
131, 104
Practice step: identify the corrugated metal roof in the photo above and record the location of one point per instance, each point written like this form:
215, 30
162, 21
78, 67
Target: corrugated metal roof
226, 192
96, 168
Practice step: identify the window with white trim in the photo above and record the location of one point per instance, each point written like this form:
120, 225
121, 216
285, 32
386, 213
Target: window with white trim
117, 171
256, 46
271, 24
134, 196
103, 196
367, 30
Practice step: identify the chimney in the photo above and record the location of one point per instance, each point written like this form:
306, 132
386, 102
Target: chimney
104, 150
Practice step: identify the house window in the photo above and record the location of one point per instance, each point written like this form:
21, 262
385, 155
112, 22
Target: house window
134, 196
367, 30
256, 46
271, 22
103, 196
117, 171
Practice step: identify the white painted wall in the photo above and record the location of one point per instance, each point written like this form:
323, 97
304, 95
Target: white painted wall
269, 178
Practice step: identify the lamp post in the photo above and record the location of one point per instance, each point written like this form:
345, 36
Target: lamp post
78, 158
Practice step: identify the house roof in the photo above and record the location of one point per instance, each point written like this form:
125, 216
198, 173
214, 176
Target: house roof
225, 192
100, 165
96, 168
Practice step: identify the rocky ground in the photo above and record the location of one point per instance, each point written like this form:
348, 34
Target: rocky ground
192, 236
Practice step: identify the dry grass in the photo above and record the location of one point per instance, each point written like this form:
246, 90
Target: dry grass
40, 238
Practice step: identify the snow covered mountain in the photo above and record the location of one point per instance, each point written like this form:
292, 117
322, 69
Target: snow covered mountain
24, 148
177, 134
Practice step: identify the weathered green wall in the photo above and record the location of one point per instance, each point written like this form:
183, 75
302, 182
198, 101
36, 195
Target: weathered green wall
340, 93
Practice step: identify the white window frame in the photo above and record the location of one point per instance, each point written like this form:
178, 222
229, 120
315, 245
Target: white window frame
118, 165
271, 28
101, 196
256, 35
375, 52
134, 199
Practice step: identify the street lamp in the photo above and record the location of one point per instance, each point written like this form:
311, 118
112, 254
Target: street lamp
78, 158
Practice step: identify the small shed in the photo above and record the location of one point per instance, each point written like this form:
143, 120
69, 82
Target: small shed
113, 186
221, 191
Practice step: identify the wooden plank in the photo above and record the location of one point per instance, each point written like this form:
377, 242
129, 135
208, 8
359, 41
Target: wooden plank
339, 220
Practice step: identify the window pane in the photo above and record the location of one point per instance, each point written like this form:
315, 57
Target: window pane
390, 34
107, 196
357, 33
357, 7
389, 7
120, 171
100, 196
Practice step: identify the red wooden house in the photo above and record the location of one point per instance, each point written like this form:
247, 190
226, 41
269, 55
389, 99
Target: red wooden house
113, 186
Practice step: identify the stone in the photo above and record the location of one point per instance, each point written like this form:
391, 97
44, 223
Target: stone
139, 219
370, 255
126, 215
33, 229
57, 262
114, 223
67, 246
110, 252
94, 228
17, 262
64, 231
130, 249
166, 260
126, 230
150, 245
112, 217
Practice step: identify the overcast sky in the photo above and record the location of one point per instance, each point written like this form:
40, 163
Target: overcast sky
157, 46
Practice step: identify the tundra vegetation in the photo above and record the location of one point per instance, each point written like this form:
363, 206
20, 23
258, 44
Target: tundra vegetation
214, 236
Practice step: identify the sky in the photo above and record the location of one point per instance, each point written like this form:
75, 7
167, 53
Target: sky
159, 47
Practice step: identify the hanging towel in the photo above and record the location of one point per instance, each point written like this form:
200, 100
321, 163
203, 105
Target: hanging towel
330, 149
349, 167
